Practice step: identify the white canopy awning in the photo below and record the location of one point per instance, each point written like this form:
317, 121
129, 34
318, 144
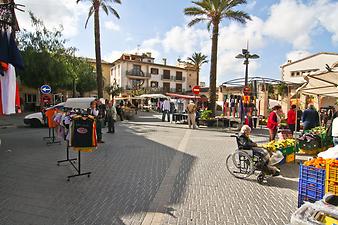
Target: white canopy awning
78, 103
153, 96
323, 84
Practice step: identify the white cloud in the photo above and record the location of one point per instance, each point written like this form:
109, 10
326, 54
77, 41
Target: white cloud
292, 21
54, 13
110, 25
328, 17
296, 55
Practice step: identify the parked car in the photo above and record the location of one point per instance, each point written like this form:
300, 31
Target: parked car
37, 119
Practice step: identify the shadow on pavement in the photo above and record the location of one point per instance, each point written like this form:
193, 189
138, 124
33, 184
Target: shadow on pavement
127, 172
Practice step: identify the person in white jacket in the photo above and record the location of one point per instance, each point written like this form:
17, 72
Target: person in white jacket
335, 128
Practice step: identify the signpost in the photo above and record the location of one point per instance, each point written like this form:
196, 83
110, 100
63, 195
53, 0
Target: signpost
45, 89
196, 90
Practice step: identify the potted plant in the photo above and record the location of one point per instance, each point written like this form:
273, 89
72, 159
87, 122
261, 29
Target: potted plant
206, 118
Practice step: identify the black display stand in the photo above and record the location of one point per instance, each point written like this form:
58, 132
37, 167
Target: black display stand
67, 156
53, 139
78, 168
49, 135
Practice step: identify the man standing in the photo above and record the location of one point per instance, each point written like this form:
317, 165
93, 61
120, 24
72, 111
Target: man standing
111, 117
310, 117
166, 110
191, 109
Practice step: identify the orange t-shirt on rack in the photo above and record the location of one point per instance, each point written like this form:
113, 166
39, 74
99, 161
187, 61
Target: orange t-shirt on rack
50, 118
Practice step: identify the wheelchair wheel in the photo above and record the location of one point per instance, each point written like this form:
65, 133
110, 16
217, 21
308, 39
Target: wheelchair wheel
240, 164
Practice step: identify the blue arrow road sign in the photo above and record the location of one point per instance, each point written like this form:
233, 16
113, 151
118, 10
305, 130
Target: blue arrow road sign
45, 89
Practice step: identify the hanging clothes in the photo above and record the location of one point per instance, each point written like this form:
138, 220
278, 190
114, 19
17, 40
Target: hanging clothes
83, 133
50, 118
8, 90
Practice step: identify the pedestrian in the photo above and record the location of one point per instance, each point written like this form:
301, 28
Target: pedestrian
291, 120
166, 110
191, 110
99, 120
111, 117
254, 117
334, 129
273, 121
136, 106
119, 110
310, 117
93, 110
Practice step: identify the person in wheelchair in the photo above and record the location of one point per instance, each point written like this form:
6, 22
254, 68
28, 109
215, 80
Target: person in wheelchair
247, 144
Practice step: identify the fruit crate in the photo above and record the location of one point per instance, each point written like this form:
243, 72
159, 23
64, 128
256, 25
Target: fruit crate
311, 185
331, 187
287, 150
289, 158
304, 198
312, 174
331, 173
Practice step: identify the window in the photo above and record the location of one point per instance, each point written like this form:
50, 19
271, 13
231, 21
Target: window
30, 98
178, 87
178, 75
137, 67
154, 71
126, 57
132, 58
154, 84
166, 87
166, 74
292, 74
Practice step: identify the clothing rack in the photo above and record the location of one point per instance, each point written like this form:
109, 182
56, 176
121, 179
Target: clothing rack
49, 135
53, 139
78, 168
67, 156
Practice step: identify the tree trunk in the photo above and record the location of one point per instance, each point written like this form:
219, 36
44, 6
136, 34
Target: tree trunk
99, 79
213, 68
198, 76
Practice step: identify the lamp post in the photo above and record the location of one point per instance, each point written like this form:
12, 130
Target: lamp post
246, 55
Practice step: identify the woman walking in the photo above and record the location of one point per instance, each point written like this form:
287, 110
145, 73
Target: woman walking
273, 121
111, 117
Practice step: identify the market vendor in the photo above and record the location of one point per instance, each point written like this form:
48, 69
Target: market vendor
334, 128
246, 143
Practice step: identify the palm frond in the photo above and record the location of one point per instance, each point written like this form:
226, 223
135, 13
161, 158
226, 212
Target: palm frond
239, 16
209, 25
196, 20
104, 7
193, 11
114, 12
204, 4
90, 13
236, 3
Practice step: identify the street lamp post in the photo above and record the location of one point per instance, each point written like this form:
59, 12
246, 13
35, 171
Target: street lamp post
246, 55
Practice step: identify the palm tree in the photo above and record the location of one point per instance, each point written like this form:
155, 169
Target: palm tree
197, 60
213, 11
95, 8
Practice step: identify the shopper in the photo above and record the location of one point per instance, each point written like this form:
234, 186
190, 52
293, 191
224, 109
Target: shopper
99, 120
93, 110
111, 117
291, 120
310, 117
334, 128
119, 110
191, 110
273, 121
166, 110
246, 143
254, 117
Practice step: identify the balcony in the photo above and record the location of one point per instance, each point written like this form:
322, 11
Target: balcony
179, 79
137, 74
167, 77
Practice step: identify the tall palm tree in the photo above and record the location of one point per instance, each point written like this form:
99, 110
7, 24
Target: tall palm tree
197, 60
213, 12
95, 8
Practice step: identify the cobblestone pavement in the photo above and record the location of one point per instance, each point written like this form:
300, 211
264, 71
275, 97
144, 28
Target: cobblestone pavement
143, 174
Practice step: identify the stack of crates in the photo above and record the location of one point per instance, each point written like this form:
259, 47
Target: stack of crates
331, 183
311, 185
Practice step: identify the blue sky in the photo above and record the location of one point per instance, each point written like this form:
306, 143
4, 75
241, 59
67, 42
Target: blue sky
279, 30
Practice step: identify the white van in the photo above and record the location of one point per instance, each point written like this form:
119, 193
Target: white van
37, 119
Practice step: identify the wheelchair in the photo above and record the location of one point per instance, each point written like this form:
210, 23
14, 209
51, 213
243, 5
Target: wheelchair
243, 163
